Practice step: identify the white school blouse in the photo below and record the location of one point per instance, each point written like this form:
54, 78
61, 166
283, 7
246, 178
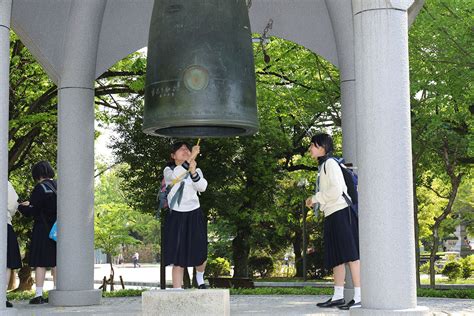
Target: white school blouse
12, 203
192, 185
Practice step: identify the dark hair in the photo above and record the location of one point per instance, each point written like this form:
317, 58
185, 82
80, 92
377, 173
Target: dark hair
177, 145
42, 169
325, 141
174, 148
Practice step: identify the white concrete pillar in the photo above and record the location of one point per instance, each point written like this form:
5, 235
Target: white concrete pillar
340, 13
75, 251
349, 118
349, 147
5, 14
384, 157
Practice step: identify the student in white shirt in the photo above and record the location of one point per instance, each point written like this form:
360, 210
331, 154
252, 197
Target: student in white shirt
13, 251
341, 235
185, 236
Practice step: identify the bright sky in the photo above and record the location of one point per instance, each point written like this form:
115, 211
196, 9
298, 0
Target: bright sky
102, 152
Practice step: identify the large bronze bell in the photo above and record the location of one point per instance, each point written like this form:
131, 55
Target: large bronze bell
200, 79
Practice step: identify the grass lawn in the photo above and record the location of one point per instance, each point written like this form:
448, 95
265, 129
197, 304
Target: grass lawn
444, 280
284, 279
464, 294
425, 280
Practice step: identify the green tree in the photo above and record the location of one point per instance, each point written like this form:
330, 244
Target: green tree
33, 124
116, 223
441, 53
297, 92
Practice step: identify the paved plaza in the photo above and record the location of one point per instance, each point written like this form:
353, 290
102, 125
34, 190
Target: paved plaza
241, 305
148, 274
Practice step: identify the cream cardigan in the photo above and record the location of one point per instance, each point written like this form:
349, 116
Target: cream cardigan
331, 186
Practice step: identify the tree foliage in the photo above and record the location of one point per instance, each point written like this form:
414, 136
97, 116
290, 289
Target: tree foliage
441, 54
297, 92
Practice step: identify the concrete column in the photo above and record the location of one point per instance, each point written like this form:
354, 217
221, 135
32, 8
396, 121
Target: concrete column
384, 157
75, 265
340, 12
349, 149
349, 118
5, 14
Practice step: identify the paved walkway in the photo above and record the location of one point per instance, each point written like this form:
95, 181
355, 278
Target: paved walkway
241, 305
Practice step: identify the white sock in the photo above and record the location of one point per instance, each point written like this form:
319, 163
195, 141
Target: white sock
338, 293
357, 294
39, 291
199, 277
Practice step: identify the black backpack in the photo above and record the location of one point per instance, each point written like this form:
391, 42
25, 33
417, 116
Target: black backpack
351, 180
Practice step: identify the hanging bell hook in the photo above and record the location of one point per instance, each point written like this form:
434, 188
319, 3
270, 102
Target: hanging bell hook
265, 39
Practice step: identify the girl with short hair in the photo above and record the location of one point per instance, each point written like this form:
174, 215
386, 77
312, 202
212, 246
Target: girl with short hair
185, 237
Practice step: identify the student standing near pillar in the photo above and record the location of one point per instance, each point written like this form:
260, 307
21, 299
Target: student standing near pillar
341, 236
185, 242
42, 206
13, 251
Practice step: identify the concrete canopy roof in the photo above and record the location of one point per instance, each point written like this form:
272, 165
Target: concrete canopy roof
42, 25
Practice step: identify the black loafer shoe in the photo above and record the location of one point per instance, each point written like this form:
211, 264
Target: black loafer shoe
9, 304
202, 287
350, 305
37, 300
331, 303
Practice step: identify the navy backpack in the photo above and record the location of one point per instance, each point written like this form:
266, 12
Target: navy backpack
351, 180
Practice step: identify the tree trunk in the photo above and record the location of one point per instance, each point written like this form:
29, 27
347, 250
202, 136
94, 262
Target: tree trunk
112, 274
455, 182
297, 248
416, 225
241, 250
434, 249
26, 281
417, 249
417, 238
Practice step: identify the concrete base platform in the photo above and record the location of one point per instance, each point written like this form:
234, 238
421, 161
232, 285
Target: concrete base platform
418, 311
8, 312
75, 298
189, 302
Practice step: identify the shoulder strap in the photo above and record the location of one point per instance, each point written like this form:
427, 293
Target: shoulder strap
344, 195
333, 158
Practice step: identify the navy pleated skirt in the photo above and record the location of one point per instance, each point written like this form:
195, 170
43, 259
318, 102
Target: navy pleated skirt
341, 238
42, 249
13, 251
185, 238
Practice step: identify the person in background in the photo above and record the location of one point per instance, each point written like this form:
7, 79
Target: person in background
42, 206
13, 251
135, 259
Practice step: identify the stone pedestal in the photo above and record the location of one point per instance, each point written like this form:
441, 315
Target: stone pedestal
186, 302
75, 298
